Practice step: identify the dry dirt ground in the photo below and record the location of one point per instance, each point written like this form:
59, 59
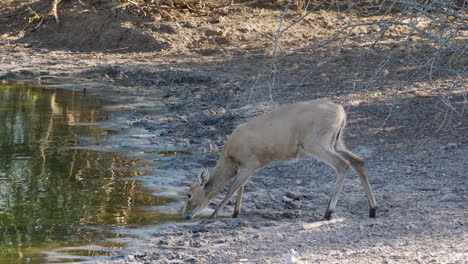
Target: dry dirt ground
211, 73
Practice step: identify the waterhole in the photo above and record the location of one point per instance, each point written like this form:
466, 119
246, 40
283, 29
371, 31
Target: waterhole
60, 201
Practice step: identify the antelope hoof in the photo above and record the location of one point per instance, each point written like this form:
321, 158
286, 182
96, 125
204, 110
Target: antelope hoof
372, 212
235, 215
328, 215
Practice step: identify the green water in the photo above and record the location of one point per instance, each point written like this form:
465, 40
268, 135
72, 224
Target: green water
55, 199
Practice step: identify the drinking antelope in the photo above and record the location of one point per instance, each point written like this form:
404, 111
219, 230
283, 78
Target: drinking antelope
309, 128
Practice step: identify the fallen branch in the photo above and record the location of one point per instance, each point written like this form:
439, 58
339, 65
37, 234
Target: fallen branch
321, 223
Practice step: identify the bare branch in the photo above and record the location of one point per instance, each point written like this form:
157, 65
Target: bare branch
415, 41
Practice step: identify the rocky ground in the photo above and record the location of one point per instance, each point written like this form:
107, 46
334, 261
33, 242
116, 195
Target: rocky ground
190, 81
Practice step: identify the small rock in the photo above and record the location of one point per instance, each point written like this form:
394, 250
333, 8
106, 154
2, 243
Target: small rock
242, 223
290, 204
376, 180
217, 20
295, 196
449, 146
190, 25
289, 215
286, 199
9, 76
163, 243
452, 145
243, 30
451, 197
409, 170
26, 73
424, 170
224, 12
210, 120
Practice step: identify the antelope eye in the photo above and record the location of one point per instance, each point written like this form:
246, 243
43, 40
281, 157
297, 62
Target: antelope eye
189, 195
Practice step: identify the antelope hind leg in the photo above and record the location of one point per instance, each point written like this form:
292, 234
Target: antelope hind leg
358, 165
341, 166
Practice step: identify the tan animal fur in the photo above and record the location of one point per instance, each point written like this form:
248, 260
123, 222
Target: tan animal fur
309, 128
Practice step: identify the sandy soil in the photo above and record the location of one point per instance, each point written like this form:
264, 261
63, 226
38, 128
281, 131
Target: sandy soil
191, 80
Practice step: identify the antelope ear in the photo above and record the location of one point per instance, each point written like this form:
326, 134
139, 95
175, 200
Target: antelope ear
203, 177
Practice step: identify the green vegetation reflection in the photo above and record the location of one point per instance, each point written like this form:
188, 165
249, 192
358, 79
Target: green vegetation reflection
52, 194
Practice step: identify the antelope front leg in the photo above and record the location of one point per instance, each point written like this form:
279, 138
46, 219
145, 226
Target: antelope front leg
238, 202
341, 167
238, 182
334, 198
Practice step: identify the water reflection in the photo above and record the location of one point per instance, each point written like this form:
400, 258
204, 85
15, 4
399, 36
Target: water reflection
51, 194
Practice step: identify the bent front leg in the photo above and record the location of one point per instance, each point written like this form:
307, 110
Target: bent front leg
341, 166
239, 181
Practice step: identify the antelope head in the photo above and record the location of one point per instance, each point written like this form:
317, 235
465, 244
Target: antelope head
196, 197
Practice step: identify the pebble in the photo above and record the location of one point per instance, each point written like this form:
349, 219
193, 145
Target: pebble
409, 170
451, 197
290, 204
376, 180
449, 146
292, 195
452, 145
